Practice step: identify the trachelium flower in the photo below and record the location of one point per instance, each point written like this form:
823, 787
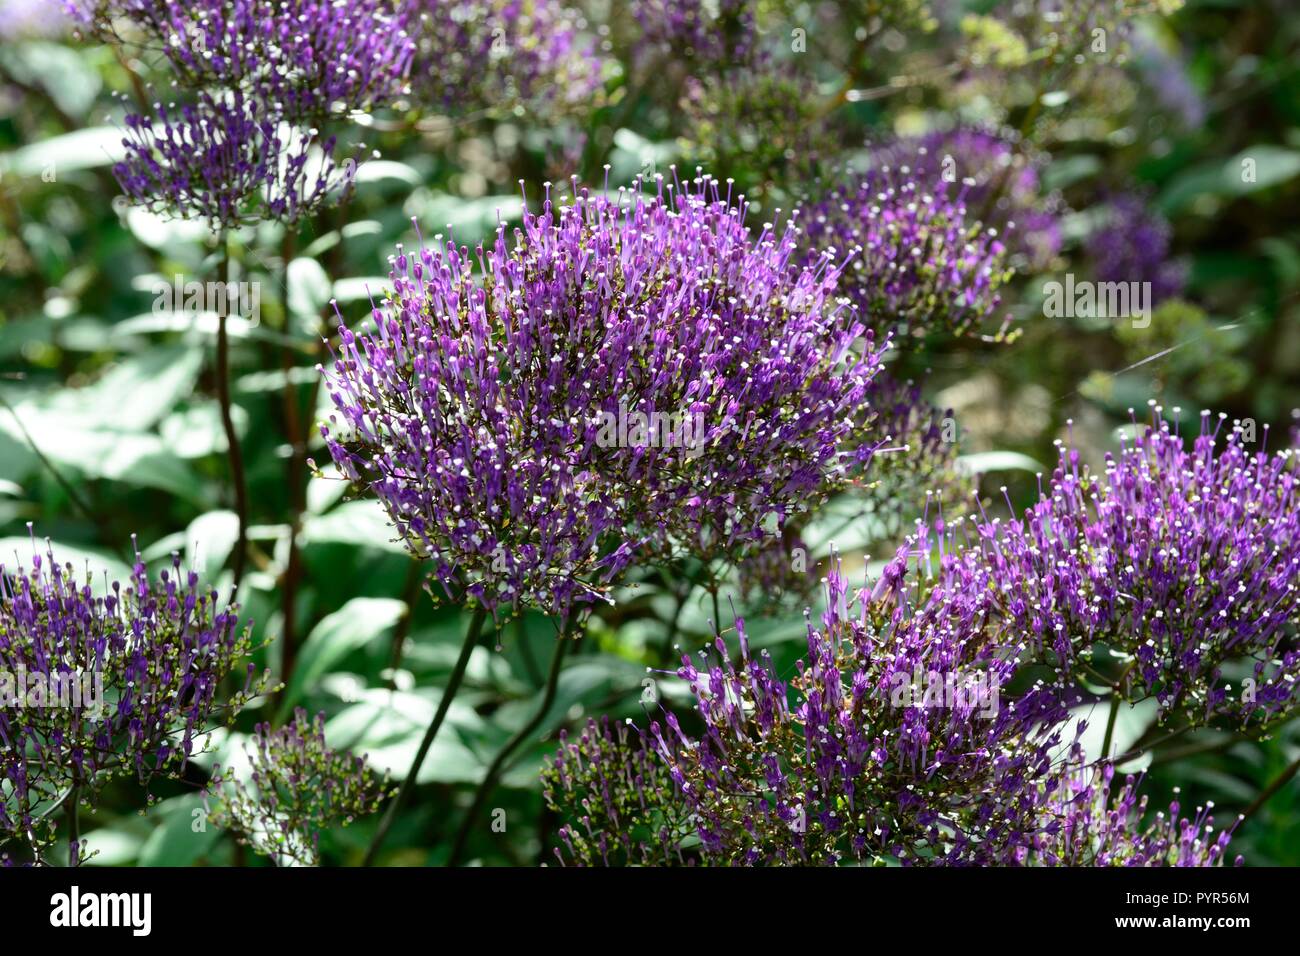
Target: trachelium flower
224, 160
621, 797
155, 653
254, 82
1184, 561
503, 54
479, 407
1082, 824
915, 257
996, 179
1130, 243
831, 764
297, 787
303, 60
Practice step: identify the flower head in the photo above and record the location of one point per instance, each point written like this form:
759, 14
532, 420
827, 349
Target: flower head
1186, 560
297, 787
997, 180
479, 54
224, 160
1131, 244
1084, 825
914, 259
633, 373
302, 60
97, 687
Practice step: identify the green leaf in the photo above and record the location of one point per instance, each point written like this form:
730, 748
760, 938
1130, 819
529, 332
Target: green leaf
83, 149
983, 462
361, 523
96, 451
209, 540
309, 292
386, 727
1271, 165
136, 393
184, 836
348, 629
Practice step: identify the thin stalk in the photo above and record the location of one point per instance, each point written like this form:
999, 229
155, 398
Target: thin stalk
1110, 726
1117, 697
233, 453
297, 478
448, 694
1267, 794
493, 774
70, 813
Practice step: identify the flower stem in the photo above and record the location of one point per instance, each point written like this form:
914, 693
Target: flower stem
70, 813
233, 452
449, 692
498, 764
1110, 725
1267, 794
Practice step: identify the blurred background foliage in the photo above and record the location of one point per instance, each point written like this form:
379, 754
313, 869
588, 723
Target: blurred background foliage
109, 425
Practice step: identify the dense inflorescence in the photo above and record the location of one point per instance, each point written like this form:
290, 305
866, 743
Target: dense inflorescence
710, 36
634, 374
1182, 562
1187, 561
913, 257
997, 180
302, 60
1131, 244
898, 737
622, 796
98, 687
296, 787
224, 160
503, 54
30, 19
1083, 825
254, 80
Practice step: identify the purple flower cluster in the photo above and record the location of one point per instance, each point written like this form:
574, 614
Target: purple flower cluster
27, 19
622, 796
715, 36
1131, 244
634, 374
1185, 560
913, 257
1181, 562
902, 739
999, 184
227, 161
297, 787
100, 687
479, 54
301, 60
1083, 825
1165, 73
260, 76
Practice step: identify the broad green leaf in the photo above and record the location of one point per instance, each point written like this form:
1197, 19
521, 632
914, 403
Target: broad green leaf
136, 393
83, 149
348, 629
361, 523
1260, 167
983, 462
184, 836
386, 727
